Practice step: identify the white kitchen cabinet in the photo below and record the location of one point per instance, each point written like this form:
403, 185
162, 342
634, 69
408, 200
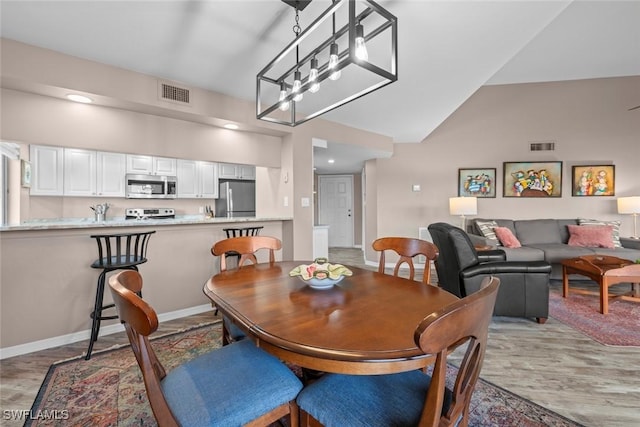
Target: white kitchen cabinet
110, 174
149, 165
90, 173
197, 179
79, 172
235, 171
164, 166
47, 170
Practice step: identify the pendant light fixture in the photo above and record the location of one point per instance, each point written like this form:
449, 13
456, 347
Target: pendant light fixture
360, 68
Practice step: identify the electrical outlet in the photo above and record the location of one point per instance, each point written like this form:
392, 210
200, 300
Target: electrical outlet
286, 201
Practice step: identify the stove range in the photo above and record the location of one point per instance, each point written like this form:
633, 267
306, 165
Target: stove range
144, 213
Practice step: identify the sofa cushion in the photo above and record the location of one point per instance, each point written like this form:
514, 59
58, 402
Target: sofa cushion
625, 253
535, 231
506, 237
591, 236
524, 253
556, 252
486, 229
615, 224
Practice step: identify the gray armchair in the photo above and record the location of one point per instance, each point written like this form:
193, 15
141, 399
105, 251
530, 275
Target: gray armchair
524, 290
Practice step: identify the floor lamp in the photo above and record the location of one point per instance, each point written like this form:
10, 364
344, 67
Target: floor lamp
463, 206
630, 205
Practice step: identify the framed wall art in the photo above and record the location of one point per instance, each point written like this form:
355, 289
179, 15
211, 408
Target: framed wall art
532, 179
480, 182
593, 180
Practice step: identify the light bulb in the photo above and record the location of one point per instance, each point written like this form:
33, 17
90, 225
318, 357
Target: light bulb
313, 76
284, 105
333, 61
296, 87
361, 47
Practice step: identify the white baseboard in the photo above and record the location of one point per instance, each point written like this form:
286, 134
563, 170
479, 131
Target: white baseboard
30, 347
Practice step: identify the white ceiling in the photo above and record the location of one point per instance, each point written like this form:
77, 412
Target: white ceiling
447, 49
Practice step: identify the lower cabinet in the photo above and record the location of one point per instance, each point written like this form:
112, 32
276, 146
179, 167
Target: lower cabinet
197, 179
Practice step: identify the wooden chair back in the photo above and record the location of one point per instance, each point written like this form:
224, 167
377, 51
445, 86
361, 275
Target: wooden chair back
465, 321
407, 248
246, 246
140, 320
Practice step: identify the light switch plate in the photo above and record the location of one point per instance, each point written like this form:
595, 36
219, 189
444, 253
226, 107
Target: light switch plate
416, 187
305, 202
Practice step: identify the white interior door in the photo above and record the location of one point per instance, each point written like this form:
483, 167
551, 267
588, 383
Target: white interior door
335, 208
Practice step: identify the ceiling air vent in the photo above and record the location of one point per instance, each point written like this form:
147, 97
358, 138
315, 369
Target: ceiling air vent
543, 146
174, 93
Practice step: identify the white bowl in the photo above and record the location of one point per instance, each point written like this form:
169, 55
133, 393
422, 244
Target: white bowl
327, 283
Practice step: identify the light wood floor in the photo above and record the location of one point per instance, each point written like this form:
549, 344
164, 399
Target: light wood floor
551, 364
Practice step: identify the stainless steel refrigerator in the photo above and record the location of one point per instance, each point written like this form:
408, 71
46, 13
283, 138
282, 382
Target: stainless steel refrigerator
236, 199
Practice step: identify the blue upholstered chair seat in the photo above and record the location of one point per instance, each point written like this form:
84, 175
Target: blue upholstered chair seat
229, 386
235, 333
363, 400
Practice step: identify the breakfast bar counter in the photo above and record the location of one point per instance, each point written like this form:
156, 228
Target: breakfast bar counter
48, 286
70, 223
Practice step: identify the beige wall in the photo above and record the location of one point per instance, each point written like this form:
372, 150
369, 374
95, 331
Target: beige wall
588, 119
131, 118
51, 270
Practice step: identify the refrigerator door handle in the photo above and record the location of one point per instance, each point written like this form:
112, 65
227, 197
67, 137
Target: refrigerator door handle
229, 201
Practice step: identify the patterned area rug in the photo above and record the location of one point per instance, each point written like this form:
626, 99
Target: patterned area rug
108, 389
582, 312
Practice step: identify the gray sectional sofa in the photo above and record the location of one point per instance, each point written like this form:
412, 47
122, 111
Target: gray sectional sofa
547, 239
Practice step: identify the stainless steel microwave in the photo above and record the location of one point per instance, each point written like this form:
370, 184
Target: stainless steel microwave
151, 186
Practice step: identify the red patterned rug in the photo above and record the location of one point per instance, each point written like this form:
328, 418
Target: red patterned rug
619, 327
108, 389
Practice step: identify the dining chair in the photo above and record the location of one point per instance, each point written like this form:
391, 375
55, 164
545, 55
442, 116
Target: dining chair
238, 384
239, 232
407, 248
246, 248
412, 398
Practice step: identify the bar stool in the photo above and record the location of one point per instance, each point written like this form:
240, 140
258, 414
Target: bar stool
124, 251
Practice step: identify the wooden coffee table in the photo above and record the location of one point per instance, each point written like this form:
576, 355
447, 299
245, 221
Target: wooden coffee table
605, 271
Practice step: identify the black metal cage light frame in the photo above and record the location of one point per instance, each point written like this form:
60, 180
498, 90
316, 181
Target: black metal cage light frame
279, 77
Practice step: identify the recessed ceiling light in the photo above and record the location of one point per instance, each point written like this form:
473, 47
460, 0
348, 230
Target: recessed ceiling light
331, 161
79, 98
231, 126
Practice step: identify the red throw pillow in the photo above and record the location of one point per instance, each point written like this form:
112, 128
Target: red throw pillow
591, 236
506, 237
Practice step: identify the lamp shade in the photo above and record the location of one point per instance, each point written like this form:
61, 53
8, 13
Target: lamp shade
463, 205
629, 205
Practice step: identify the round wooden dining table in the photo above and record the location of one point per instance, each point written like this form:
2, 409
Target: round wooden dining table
363, 325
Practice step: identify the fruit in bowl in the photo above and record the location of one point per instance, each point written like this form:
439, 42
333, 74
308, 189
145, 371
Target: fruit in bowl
321, 274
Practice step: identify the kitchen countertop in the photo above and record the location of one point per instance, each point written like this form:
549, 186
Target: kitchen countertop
70, 223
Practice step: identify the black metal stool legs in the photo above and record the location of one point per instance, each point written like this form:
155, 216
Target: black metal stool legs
96, 314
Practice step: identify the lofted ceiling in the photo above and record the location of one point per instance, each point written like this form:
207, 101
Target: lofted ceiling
447, 49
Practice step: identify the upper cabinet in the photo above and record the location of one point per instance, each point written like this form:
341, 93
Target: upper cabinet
79, 172
110, 174
234, 171
150, 165
91, 173
47, 170
197, 179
